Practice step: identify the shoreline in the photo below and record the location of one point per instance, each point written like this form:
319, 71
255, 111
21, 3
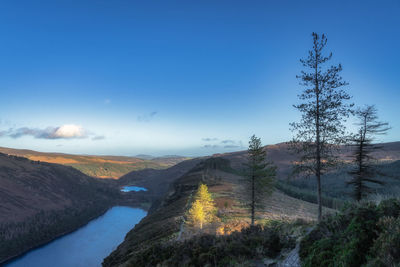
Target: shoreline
44, 243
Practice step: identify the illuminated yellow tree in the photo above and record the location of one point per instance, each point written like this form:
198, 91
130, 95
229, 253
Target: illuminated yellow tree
203, 209
197, 215
206, 200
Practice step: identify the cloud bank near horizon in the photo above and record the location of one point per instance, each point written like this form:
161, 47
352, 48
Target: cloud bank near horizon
66, 131
227, 144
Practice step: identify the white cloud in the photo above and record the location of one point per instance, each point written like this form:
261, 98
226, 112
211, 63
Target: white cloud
69, 131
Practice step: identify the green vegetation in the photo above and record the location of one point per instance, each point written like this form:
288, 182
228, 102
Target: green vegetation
260, 176
363, 234
210, 250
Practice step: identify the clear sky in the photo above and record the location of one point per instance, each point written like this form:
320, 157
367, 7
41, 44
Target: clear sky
181, 77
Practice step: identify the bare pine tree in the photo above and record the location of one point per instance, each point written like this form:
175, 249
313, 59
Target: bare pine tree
323, 111
364, 172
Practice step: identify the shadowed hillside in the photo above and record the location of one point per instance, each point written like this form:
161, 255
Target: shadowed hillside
283, 158
40, 201
157, 181
97, 166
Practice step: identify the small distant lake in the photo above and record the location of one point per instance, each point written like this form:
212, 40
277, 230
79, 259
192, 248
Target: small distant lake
132, 188
88, 245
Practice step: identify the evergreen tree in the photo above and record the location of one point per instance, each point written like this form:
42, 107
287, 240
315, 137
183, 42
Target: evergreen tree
260, 175
363, 173
323, 111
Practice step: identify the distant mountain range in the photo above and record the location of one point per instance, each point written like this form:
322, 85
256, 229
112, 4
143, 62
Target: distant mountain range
98, 166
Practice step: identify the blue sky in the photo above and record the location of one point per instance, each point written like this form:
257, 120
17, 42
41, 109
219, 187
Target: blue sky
181, 77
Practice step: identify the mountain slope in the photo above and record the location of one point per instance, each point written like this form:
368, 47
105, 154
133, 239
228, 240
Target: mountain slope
40, 201
97, 166
282, 157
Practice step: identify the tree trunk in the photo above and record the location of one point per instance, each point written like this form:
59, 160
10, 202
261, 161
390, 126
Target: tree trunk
360, 164
318, 141
252, 199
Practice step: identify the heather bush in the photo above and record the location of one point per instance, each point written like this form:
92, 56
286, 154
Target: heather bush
362, 234
251, 243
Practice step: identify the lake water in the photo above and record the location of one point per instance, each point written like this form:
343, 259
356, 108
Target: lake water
88, 245
132, 188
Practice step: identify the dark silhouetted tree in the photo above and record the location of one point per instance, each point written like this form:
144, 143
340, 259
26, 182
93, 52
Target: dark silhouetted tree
260, 175
323, 111
364, 171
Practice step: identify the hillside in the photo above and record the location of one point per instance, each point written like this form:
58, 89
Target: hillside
146, 243
97, 166
282, 157
40, 201
166, 220
157, 181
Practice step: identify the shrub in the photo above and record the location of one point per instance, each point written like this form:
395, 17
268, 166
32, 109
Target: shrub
387, 245
251, 243
360, 234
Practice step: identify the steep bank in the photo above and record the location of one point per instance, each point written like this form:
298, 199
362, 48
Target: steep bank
40, 201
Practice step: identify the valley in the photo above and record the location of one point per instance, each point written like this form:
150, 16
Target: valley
60, 199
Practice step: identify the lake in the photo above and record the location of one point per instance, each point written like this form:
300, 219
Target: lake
88, 245
133, 188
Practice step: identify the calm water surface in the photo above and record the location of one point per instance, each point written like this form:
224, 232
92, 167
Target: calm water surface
88, 245
132, 188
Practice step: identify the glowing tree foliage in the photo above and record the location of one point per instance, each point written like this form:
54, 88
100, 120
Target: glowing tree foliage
203, 209
197, 215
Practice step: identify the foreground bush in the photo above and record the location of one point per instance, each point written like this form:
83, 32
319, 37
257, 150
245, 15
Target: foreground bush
252, 243
361, 235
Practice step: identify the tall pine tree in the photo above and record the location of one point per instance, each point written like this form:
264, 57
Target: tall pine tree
323, 110
260, 175
364, 171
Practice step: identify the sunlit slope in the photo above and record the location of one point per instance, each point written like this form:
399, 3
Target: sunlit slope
97, 166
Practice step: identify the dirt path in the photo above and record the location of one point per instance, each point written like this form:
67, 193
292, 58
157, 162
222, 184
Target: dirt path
292, 259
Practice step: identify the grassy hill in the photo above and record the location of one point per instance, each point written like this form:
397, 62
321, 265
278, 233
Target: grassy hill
97, 166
